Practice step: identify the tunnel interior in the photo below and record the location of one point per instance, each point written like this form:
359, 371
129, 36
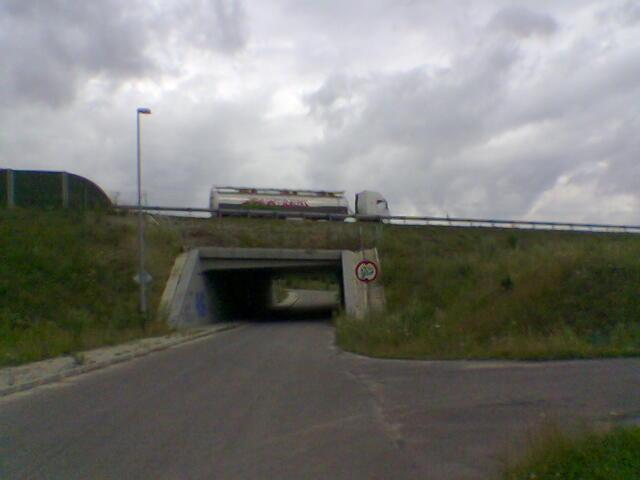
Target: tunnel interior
275, 293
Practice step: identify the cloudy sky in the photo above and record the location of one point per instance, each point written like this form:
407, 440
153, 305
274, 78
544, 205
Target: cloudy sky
527, 109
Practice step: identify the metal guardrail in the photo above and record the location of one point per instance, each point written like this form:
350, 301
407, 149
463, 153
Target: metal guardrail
401, 220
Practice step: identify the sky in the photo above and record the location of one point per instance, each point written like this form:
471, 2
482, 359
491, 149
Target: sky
485, 109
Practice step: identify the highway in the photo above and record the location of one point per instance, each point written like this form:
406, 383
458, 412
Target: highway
278, 400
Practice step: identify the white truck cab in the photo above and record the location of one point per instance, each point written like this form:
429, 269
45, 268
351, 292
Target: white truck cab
371, 204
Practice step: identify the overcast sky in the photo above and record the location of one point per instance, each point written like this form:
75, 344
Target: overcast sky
527, 109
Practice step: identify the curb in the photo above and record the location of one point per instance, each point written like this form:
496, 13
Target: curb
79, 370
290, 300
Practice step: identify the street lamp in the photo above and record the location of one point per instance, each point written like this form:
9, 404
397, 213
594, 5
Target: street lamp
142, 275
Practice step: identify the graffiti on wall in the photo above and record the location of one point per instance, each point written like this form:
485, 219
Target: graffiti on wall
201, 303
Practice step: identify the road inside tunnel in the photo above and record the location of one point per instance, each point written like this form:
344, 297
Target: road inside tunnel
272, 294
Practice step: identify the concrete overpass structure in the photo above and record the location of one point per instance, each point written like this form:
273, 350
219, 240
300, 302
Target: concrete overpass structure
212, 284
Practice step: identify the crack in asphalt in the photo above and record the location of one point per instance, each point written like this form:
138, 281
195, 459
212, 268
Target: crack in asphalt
393, 430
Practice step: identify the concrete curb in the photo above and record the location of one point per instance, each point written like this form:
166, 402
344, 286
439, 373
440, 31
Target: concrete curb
81, 369
290, 300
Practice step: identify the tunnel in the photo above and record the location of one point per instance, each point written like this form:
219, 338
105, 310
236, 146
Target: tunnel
275, 293
213, 284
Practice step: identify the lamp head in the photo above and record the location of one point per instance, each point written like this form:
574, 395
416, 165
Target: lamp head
145, 111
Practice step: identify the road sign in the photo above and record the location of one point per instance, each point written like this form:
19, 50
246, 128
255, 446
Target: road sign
366, 271
146, 277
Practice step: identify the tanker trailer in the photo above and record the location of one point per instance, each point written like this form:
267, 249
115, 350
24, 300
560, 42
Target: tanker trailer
237, 200
229, 200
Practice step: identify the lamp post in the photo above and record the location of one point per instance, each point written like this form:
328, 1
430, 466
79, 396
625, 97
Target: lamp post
142, 276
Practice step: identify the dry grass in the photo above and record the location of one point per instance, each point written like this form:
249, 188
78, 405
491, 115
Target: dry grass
582, 454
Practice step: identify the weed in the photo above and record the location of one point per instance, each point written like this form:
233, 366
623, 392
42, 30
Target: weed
584, 454
78, 357
507, 283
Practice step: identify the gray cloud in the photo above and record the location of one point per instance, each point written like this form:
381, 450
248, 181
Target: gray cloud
626, 14
52, 47
522, 22
208, 24
467, 108
231, 23
465, 141
336, 101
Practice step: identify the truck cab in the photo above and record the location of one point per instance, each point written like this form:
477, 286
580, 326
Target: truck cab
372, 204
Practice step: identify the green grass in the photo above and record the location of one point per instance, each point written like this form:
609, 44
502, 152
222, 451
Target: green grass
554, 454
460, 293
245, 232
65, 284
66, 277
66, 281
473, 293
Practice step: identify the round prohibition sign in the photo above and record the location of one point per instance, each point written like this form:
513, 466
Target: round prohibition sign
366, 271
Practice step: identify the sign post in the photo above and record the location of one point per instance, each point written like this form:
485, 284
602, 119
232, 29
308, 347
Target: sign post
366, 272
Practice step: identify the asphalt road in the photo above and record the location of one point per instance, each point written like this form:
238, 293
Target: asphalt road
278, 401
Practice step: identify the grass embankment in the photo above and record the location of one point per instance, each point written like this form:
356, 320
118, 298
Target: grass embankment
66, 284
474, 293
66, 277
554, 454
66, 281
466, 293
263, 233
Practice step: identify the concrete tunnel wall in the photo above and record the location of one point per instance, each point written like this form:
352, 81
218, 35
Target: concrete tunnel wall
209, 285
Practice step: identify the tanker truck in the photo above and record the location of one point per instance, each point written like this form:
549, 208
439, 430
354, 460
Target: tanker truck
234, 200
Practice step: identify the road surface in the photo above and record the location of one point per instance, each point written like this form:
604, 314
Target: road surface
279, 401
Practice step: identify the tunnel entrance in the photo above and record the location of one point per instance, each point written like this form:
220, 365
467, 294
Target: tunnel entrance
212, 284
275, 294
238, 294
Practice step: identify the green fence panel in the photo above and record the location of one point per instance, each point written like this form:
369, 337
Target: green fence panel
35, 188
38, 189
86, 194
3, 188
